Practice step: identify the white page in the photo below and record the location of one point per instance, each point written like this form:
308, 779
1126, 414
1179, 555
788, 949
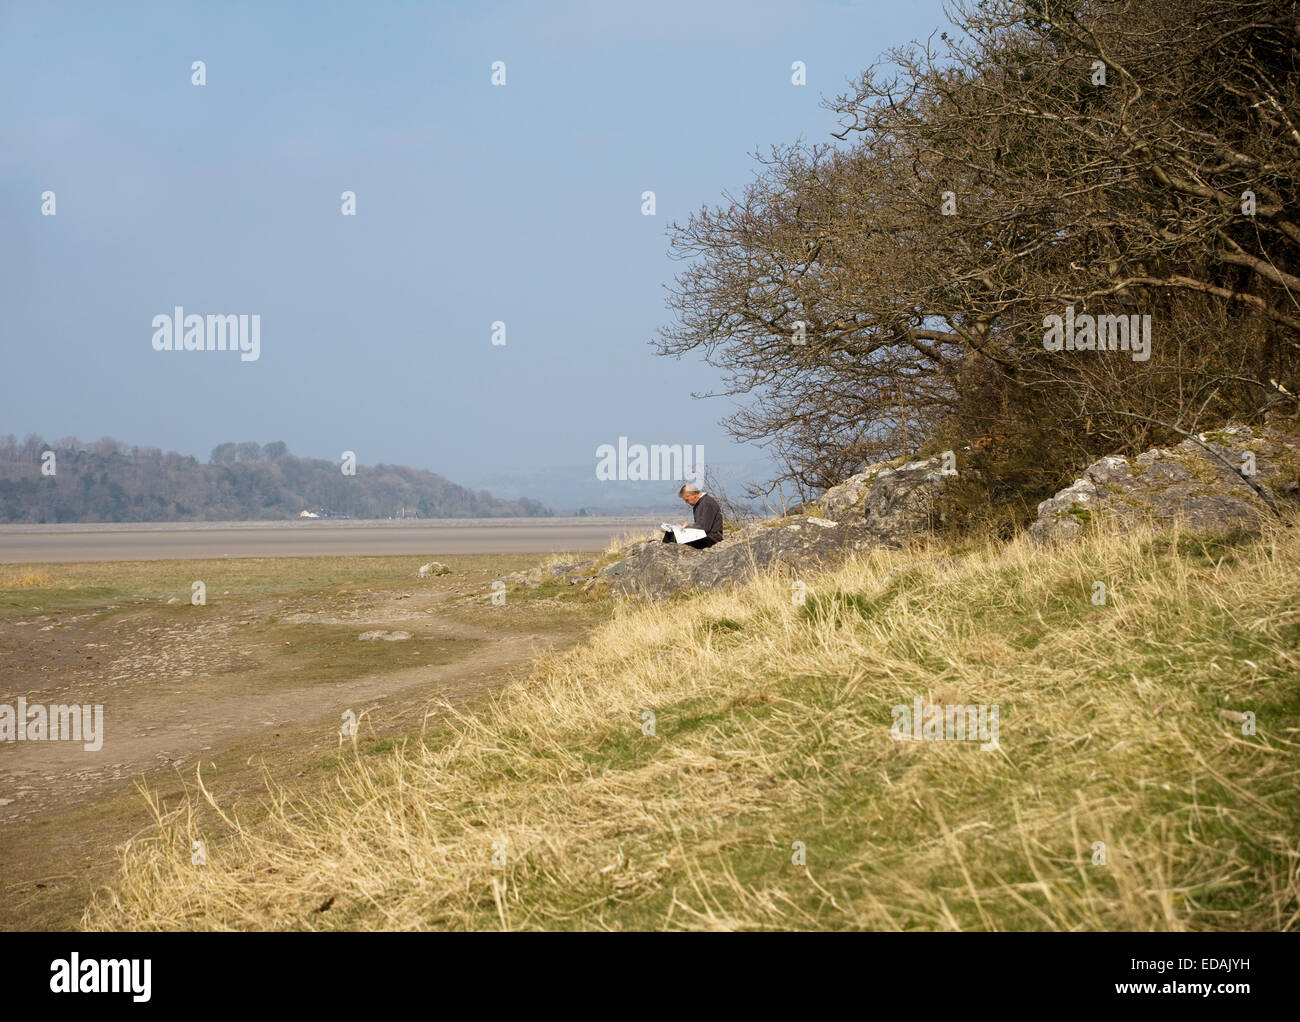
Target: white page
683, 535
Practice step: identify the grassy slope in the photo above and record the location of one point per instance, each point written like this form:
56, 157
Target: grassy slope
773, 727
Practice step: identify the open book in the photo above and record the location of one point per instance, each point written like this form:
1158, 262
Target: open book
683, 535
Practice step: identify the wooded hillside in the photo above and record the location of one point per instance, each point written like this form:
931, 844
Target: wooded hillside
109, 481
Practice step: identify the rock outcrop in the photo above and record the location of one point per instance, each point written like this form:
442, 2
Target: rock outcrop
893, 497
888, 503
1190, 484
882, 505
660, 569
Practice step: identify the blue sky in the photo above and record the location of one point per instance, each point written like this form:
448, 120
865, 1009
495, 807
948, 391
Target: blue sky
475, 204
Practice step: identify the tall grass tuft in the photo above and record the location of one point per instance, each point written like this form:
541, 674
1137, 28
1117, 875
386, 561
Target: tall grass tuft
33, 579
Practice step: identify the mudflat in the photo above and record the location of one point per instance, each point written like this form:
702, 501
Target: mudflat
436, 537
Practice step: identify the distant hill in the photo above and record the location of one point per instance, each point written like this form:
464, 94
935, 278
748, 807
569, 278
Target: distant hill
109, 481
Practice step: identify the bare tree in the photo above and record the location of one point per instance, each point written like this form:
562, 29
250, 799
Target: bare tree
891, 288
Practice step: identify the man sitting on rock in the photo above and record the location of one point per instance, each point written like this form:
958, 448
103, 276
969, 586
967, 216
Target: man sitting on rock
708, 516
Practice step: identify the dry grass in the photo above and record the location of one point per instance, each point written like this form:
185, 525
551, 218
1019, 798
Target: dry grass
549, 807
551, 560
620, 544
33, 579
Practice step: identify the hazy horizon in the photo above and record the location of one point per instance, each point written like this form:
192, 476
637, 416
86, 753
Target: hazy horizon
475, 204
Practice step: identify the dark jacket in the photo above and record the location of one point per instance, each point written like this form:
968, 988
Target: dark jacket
708, 516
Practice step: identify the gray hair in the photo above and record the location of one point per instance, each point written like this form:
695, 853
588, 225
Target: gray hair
689, 488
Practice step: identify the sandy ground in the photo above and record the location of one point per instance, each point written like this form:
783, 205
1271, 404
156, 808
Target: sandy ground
433, 537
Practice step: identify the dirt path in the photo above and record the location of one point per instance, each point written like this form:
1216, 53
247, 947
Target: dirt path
240, 688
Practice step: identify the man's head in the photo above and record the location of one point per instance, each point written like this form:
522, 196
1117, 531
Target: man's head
690, 493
